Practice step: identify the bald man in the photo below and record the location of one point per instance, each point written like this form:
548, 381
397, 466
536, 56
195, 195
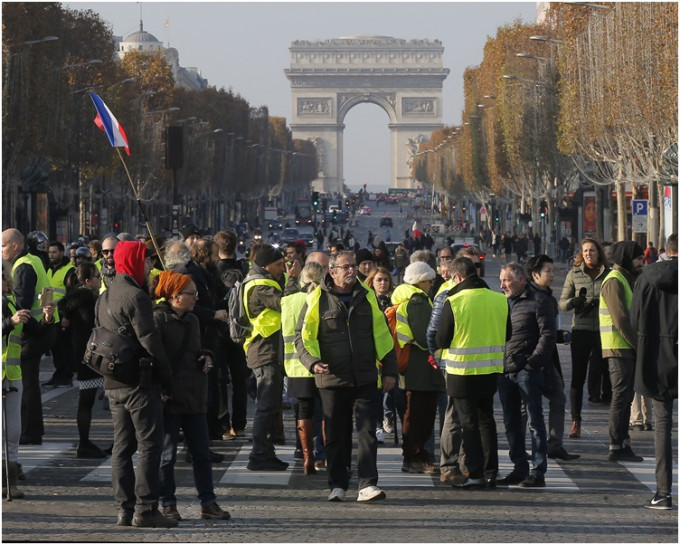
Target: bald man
318, 257
29, 278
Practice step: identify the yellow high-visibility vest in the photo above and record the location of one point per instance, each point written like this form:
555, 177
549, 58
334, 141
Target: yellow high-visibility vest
403, 329
57, 281
609, 335
268, 321
41, 282
382, 337
291, 305
478, 345
11, 348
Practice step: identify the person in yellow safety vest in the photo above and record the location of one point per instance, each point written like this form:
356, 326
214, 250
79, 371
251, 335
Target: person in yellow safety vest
452, 452
108, 267
58, 275
422, 381
300, 381
29, 278
13, 321
619, 341
262, 295
473, 330
340, 335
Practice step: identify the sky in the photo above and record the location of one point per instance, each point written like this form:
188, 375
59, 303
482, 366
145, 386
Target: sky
244, 46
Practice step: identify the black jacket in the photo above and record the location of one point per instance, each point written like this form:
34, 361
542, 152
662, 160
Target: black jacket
131, 306
533, 331
345, 340
182, 340
654, 316
78, 307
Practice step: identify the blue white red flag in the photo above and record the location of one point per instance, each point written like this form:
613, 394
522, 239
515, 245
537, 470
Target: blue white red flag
417, 233
107, 122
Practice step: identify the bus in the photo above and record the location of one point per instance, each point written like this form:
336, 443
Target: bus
303, 212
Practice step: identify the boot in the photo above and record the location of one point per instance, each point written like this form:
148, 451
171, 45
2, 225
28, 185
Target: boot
306, 432
575, 432
11, 479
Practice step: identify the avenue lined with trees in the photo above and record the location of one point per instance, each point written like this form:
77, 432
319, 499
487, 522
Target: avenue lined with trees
586, 100
59, 174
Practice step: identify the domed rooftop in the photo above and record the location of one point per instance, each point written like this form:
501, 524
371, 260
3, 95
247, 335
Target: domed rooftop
141, 36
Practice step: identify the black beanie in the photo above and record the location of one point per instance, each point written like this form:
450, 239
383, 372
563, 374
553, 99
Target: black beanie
364, 254
266, 255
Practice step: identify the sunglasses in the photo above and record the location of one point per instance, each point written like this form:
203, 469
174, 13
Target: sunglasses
106, 252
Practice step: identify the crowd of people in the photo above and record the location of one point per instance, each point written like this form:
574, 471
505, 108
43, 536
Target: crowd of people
359, 339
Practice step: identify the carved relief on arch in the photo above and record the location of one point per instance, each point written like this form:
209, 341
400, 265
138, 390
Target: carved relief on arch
418, 106
313, 106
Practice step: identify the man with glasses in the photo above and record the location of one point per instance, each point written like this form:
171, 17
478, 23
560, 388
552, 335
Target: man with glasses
340, 335
107, 266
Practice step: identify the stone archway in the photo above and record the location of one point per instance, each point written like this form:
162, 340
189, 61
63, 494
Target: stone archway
328, 78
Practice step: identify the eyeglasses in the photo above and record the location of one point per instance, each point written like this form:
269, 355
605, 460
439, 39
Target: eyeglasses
345, 267
446, 258
189, 293
105, 252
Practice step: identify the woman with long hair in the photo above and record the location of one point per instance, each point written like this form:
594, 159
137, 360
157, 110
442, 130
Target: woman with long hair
581, 293
381, 282
77, 306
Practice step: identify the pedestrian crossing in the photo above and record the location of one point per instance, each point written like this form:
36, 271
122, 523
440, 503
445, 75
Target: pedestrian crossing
389, 467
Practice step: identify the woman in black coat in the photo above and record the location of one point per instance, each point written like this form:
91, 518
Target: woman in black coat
77, 307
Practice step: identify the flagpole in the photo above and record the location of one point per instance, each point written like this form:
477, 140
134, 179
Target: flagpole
141, 210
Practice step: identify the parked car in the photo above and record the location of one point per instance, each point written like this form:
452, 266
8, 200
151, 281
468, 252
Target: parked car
459, 245
386, 222
365, 211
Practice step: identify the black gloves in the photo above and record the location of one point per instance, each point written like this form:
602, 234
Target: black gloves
578, 302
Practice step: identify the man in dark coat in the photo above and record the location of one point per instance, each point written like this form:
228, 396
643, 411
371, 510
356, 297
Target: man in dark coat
136, 410
654, 316
528, 351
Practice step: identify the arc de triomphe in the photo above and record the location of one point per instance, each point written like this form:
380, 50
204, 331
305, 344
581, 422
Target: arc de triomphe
328, 78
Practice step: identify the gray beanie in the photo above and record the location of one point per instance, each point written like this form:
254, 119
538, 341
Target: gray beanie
418, 272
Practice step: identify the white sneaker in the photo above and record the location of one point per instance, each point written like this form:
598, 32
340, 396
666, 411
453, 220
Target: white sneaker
380, 435
371, 493
337, 494
387, 425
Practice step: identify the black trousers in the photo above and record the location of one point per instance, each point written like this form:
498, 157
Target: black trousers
586, 349
31, 401
340, 407
479, 436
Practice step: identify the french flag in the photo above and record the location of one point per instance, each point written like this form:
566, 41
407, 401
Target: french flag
107, 122
417, 233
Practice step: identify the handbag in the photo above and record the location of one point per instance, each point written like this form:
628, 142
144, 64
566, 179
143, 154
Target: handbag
113, 353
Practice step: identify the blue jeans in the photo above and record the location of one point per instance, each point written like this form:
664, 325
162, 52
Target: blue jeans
524, 386
195, 427
269, 388
137, 415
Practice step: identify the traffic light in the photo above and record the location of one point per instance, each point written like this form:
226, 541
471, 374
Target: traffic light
324, 204
315, 198
347, 203
463, 209
453, 206
541, 211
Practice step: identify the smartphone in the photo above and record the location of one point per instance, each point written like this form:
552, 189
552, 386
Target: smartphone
47, 296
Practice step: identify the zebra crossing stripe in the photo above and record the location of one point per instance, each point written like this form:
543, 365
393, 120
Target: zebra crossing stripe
644, 472
238, 473
32, 456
